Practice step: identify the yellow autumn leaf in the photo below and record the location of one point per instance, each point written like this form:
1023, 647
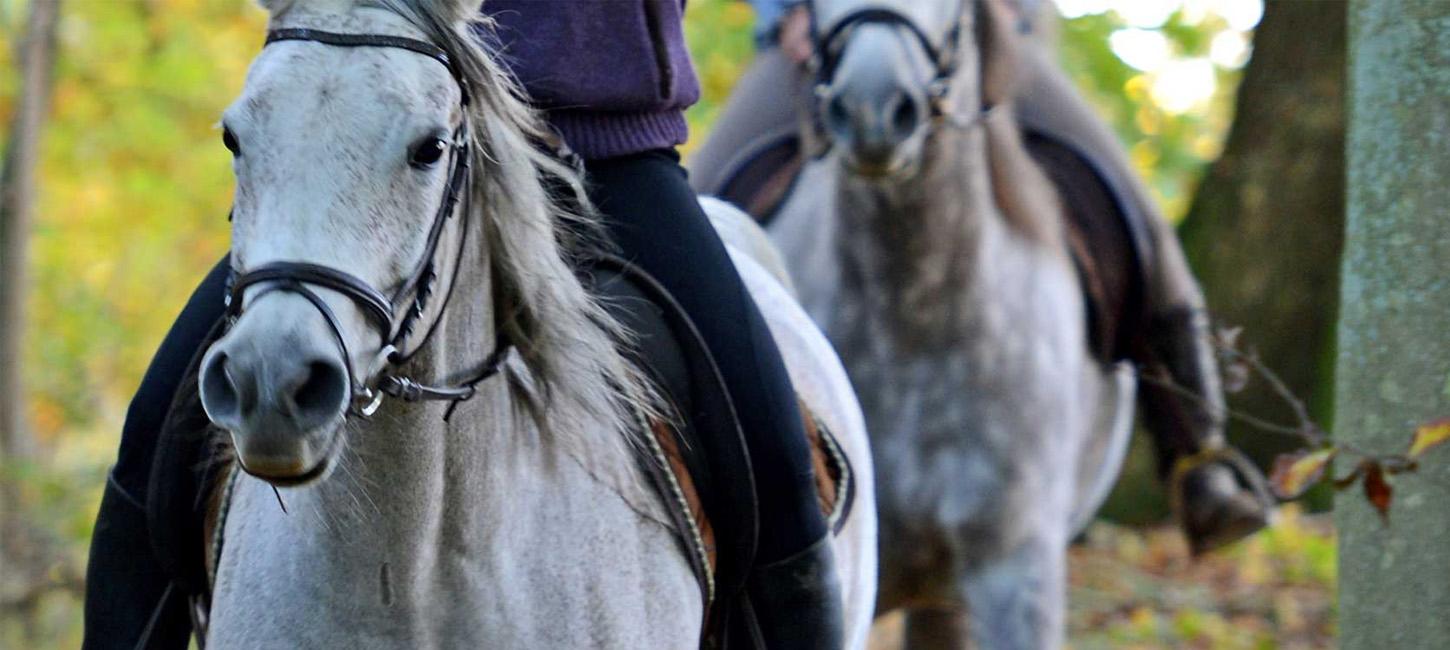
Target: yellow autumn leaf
1294, 473
1429, 435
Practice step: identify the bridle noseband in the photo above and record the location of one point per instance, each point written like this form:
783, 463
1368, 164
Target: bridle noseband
830, 45
302, 277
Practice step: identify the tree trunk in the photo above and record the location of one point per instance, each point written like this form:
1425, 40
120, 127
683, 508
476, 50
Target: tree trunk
17, 201
1265, 229
1394, 334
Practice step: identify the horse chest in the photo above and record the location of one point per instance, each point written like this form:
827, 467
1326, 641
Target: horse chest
560, 563
962, 436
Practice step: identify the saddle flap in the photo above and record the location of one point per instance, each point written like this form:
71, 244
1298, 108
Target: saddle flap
1103, 246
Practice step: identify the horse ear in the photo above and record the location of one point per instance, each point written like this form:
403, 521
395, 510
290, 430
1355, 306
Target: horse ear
998, 40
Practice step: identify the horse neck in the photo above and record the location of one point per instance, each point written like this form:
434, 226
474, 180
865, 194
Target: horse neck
416, 478
927, 250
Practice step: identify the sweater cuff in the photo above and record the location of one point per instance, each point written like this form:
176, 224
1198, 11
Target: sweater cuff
597, 134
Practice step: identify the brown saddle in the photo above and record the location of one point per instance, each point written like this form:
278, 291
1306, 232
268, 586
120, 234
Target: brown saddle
1107, 237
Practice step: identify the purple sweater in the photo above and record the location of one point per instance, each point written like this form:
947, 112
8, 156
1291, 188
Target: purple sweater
613, 75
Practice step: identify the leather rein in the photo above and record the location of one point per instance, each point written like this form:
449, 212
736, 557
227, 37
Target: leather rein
412, 297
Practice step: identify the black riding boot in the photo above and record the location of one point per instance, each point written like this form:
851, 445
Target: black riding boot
1218, 495
130, 601
797, 601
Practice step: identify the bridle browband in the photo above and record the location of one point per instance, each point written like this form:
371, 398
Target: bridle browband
302, 277
830, 44
373, 40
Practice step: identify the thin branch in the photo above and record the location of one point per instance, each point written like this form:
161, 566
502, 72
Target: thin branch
1311, 429
1308, 431
1255, 421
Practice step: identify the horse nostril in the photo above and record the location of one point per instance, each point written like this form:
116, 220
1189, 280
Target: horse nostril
905, 118
321, 394
221, 396
838, 117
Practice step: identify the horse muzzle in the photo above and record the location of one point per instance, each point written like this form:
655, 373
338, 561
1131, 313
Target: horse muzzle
281, 390
874, 108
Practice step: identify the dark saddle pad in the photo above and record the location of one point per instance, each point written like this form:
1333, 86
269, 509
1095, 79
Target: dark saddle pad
1103, 246
762, 180
1106, 235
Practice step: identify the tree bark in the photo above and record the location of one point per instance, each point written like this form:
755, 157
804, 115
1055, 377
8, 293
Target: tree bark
1265, 229
17, 202
1394, 334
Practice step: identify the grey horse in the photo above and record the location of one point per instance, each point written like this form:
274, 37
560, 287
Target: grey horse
996, 433
934, 250
519, 518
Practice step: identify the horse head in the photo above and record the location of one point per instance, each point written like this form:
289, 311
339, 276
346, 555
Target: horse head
350, 150
890, 71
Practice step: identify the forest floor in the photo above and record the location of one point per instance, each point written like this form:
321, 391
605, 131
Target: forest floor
1138, 589
1132, 589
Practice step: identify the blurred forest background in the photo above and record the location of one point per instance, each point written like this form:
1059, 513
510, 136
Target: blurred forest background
134, 186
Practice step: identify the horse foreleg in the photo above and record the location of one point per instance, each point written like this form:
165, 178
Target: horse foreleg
1017, 602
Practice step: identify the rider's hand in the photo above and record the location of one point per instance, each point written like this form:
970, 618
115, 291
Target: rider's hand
795, 34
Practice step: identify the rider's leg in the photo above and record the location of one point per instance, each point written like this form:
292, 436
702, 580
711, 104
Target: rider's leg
1221, 496
655, 218
763, 104
125, 586
1217, 493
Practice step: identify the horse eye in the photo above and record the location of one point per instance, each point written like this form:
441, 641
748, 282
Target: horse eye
230, 140
427, 152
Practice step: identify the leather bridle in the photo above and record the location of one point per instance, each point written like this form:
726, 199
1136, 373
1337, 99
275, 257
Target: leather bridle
412, 297
831, 40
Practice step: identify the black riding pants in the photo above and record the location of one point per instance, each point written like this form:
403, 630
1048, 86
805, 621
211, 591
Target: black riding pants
653, 216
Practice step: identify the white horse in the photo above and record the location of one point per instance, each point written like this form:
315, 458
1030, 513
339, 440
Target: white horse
521, 521
932, 250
